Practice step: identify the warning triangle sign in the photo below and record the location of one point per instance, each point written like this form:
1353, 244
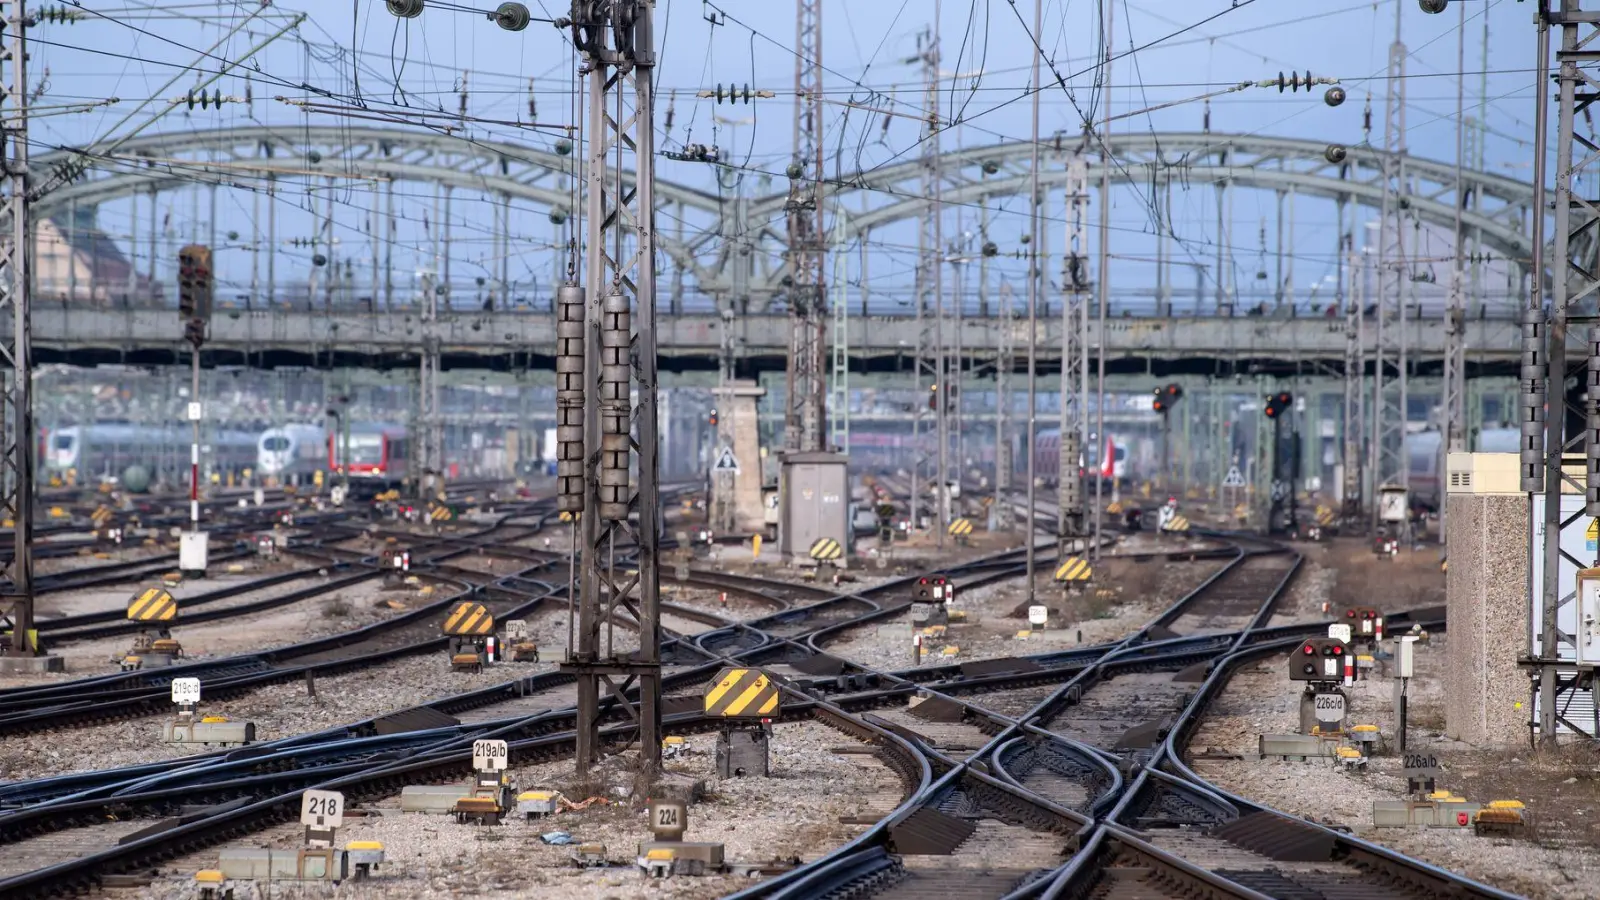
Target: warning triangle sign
725, 461
1594, 530
1234, 478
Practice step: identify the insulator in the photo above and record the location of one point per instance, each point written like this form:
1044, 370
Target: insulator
1071, 485
569, 398
1531, 400
1591, 426
406, 9
511, 16
616, 414
533, 105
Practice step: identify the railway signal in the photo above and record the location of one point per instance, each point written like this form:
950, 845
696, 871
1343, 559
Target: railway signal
1166, 398
1278, 404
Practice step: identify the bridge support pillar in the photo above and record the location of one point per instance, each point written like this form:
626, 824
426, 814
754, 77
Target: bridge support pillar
736, 495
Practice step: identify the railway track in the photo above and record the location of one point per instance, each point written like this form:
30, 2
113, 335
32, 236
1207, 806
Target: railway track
1056, 812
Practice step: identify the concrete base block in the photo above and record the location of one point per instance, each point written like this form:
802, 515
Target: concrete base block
20, 665
438, 799
1487, 604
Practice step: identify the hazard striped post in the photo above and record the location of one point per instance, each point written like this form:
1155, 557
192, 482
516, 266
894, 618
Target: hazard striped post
469, 619
1074, 572
741, 693
827, 550
152, 605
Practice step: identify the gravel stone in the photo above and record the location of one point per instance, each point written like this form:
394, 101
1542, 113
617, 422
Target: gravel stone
1545, 863
432, 856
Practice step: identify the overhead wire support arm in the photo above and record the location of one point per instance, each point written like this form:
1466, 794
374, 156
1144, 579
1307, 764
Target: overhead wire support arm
70, 170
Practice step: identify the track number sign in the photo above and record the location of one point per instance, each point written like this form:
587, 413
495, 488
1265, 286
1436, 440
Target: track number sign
186, 691
322, 809
1329, 707
489, 756
1038, 616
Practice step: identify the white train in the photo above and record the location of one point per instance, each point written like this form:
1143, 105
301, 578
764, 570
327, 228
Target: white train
99, 452
292, 452
378, 453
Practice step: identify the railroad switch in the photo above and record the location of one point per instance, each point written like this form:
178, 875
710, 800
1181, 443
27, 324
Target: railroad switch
208, 730
589, 856
1503, 817
211, 884
538, 804
1366, 739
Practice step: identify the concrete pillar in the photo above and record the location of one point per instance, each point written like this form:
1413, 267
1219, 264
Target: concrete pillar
738, 403
1487, 602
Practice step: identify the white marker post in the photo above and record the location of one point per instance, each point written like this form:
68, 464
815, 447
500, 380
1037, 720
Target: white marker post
186, 694
322, 813
1038, 616
490, 755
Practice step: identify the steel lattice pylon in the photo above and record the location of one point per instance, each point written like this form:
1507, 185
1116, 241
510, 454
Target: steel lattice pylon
1576, 287
1386, 451
1071, 525
808, 315
930, 358
618, 46
16, 479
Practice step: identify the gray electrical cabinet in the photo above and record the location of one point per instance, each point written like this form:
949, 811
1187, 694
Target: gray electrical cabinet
814, 502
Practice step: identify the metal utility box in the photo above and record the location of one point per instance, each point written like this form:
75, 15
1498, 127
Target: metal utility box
743, 752
814, 501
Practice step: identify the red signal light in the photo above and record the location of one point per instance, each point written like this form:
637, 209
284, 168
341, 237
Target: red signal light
1310, 650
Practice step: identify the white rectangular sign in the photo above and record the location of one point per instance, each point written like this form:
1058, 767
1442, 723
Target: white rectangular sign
1038, 615
322, 809
186, 691
489, 756
1329, 707
1339, 632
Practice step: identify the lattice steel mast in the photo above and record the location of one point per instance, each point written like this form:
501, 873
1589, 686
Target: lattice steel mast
804, 417
618, 47
1389, 394
1455, 360
16, 481
1071, 524
930, 360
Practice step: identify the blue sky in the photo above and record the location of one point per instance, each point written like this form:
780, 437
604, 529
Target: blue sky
127, 50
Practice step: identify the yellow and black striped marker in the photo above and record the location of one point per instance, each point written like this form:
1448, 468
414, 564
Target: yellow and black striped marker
1178, 523
152, 605
571, 516
469, 618
827, 550
1074, 568
960, 528
743, 694
1114, 508
1324, 516
101, 515
442, 514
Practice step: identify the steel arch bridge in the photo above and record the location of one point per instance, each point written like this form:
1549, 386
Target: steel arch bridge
1496, 208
